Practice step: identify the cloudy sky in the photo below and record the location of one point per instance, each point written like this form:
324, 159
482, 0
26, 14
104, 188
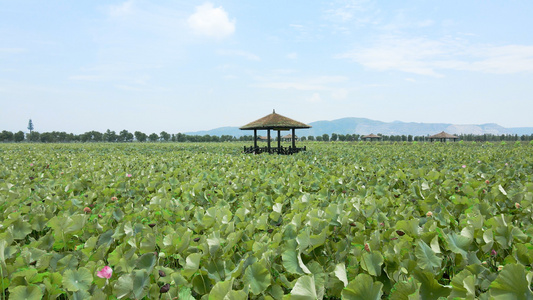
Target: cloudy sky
183, 66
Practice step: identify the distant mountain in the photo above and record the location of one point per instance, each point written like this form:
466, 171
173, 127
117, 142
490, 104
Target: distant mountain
367, 126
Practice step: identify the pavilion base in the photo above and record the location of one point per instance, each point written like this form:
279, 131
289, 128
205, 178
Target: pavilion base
274, 150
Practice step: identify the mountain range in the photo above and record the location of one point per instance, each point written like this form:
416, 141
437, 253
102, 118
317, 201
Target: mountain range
367, 126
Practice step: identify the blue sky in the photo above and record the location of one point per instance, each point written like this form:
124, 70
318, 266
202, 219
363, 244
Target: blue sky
182, 66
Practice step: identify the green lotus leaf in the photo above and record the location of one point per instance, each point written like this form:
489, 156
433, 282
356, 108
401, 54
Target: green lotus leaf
463, 285
372, 262
430, 287
20, 229
106, 238
304, 289
185, 294
191, 264
220, 290
141, 283
30, 292
75, 280
340, 273
123, 287
405, 290
146, 262
201, 284
426, 258
81, 295
458, 244
257, 277
511, 283
363, 287
292, 262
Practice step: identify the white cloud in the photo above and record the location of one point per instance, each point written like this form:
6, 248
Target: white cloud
122, 9
247, 55
430, 57
292, 55
315, 98
310, 84
211, 21
12, 50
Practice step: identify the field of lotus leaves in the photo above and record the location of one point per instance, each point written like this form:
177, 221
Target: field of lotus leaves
190, 221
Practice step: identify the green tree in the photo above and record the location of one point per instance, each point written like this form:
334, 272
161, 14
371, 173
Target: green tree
6, 136
164, 136
18, 137
325, 137
140, 136
334, 137
153, 137
110, 136
30, 126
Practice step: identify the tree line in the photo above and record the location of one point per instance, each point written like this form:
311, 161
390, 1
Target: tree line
125, 136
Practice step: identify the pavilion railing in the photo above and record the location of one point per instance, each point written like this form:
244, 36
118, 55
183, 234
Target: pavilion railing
274, 150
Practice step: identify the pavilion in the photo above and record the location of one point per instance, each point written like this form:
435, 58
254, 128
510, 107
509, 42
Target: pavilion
443, 137
277, 123
371, 137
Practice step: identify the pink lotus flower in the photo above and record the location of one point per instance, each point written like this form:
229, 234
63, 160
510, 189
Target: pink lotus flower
429, 214
106, 272
464, 166
517, 205
128, 175
31, 164
479, 161
493, 252
114, 198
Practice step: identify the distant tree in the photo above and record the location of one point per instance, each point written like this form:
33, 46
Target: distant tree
18, 137
409, 138
125, 136
140, 136
30, 126
35, 136
325, 137
334, 137
153, 137
6, 136
311, 138
110, 136
303, 139
164, 136
319, 138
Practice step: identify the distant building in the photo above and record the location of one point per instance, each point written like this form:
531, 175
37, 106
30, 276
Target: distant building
371, 137
443, 137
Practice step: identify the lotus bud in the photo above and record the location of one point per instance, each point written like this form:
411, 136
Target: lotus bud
500, 267
429, 214
517, 205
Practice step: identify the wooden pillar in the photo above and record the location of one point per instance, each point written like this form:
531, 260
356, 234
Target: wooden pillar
293, 139
255, 139
279, 141
268, 140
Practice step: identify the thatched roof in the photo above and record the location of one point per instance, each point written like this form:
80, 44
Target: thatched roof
274, 121
443, 135
371, 136
288, 136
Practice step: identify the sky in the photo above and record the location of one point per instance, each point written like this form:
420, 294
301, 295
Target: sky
184, 66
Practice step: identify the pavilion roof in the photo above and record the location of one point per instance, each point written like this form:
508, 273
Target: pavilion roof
371, 136
274, 121
443, 135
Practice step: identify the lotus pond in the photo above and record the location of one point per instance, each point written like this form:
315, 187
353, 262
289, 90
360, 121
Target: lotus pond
190, 221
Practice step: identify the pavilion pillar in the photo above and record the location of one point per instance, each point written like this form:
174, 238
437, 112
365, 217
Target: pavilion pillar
268, 140
293, 139
255, 139
279, 141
